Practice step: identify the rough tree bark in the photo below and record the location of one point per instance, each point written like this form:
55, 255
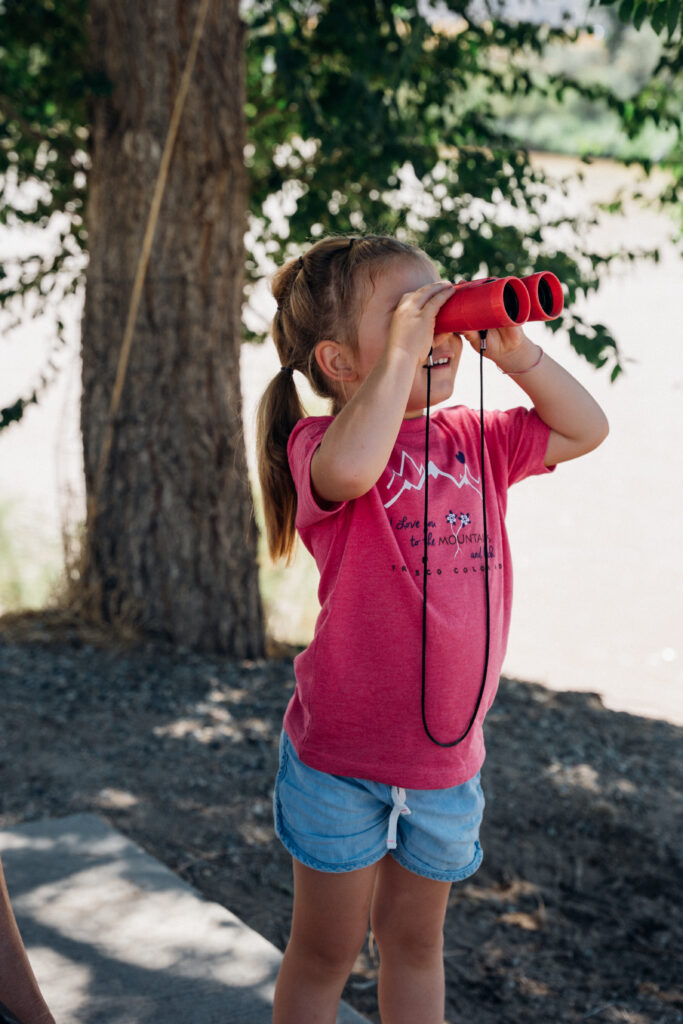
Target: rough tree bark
172, 543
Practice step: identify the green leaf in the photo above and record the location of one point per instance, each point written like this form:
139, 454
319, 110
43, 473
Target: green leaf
625, 10
659, 16
639, 14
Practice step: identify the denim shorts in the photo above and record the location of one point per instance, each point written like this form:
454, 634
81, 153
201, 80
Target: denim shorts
333, 823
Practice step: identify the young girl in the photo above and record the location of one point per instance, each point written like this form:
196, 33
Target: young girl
378, 797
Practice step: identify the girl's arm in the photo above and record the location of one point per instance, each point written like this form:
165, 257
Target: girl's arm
577, 423
356, 447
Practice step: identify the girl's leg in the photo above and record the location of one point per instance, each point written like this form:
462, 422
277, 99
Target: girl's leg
329, 926
407, 921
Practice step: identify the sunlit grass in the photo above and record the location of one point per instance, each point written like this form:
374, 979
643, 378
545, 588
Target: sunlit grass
32, 577
30, 563
289, 592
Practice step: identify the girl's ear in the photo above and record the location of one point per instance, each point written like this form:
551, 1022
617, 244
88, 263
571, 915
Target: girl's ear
334, 361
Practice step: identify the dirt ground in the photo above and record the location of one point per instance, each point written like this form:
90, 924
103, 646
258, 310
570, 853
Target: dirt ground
575, 914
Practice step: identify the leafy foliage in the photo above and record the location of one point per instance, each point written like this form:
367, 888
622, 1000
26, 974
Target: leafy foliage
44, 87
665, 16
363, 116
660, 100
376, 116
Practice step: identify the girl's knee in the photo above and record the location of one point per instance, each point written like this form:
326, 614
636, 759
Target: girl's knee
416, 939
409, 946
328, 956
408, 915
330, 919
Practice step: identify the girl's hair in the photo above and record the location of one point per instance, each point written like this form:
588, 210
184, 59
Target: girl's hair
319, 296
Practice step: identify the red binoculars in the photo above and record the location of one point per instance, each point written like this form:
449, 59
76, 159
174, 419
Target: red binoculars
500, 302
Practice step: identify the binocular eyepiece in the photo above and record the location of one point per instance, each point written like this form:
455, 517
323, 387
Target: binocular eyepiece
500, 302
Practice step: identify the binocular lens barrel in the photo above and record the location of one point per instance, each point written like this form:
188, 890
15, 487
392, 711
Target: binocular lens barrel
511, 302
545, 296
545, 293
500, 302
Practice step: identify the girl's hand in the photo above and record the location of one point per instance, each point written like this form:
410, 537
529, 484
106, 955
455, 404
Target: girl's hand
577, 423
412, 324
395, 334
508, 347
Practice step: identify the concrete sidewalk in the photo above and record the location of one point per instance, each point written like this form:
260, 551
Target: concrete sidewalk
115, 937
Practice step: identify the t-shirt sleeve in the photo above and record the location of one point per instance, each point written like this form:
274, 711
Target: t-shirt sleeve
302, 444
520, 437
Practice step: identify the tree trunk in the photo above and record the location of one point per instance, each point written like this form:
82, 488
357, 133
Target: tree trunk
172, 543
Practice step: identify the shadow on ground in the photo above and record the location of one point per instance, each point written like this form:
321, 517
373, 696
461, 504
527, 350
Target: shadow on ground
575, 914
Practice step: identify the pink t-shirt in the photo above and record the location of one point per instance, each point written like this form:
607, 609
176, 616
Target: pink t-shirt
356, 709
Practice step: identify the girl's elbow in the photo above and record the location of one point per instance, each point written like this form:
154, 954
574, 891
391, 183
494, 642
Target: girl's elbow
337, 484
351, 485
564, 448
602, 429
596, 436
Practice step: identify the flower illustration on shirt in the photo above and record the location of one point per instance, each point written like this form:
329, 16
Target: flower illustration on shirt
459, 520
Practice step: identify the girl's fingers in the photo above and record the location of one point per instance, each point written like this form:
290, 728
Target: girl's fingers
499, 340
430, 295
411, 327
436, 293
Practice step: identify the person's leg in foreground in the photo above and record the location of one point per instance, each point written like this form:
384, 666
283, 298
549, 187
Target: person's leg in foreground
19, 990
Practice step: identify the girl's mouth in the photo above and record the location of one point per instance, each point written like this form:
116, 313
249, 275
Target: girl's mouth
443, 361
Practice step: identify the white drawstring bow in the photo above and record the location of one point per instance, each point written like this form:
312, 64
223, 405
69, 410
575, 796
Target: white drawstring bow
398, 795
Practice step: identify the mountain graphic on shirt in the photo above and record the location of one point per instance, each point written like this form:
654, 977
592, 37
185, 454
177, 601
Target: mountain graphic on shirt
411, 476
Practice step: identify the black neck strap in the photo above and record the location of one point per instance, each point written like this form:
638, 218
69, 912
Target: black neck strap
425, 557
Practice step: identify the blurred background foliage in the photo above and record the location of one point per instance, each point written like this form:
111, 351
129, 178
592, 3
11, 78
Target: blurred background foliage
371, 116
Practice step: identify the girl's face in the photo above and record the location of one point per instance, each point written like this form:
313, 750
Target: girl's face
399, 277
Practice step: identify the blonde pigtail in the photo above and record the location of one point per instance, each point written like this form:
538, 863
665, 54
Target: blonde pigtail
279, 411
319, 296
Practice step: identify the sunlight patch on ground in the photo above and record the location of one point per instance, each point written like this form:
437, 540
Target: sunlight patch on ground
72, 979
581, 776
116, 799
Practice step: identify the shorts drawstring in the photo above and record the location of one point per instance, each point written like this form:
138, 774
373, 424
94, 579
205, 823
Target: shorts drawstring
398, 795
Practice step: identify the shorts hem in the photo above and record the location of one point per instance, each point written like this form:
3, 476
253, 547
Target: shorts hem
319, 865
425, 871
